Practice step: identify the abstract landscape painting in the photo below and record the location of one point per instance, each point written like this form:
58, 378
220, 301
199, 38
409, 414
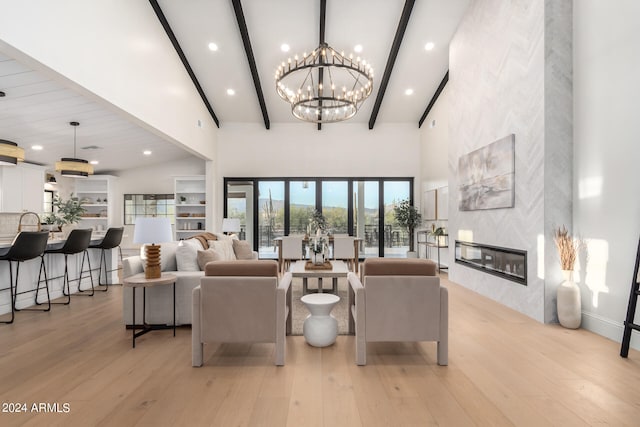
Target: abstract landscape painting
486, 176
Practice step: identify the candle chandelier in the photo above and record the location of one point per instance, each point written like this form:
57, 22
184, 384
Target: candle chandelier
324, 86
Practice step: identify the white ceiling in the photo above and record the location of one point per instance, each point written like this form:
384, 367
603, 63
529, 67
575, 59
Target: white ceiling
37, 111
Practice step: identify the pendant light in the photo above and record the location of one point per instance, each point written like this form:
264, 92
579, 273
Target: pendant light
73, 167
10, 153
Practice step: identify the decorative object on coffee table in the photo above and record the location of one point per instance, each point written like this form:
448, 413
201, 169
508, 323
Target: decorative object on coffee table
569, 304
150, 231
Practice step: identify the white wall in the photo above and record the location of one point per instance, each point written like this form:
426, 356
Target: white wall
607, 155
115, 52
341, 149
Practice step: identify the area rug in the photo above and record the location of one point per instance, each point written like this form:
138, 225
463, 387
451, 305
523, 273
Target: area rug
300, 312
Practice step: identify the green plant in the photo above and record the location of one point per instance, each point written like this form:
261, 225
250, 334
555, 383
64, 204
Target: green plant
68, 211
317, 221
49, 218
407, 216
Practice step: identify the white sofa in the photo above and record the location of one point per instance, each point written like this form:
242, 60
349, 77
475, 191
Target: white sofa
159, 309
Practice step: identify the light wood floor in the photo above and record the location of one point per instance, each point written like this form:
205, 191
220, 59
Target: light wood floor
504, 369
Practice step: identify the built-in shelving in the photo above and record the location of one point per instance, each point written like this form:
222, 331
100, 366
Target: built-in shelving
96, 193
191, 205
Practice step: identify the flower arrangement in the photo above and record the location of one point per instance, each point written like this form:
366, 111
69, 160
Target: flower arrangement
317, 223
318, 244
568, 247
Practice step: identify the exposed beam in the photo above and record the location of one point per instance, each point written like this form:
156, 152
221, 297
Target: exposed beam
183, 58
395, 48
434, 98
242, 26
323, 16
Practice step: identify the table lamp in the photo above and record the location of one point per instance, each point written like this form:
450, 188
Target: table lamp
150, 231
230, 225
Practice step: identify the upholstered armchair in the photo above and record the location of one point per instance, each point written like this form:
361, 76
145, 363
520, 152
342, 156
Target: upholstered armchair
241, 301
398, 300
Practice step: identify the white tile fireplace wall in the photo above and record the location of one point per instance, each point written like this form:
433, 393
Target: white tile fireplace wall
510, 72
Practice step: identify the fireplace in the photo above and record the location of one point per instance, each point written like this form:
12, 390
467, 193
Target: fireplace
510, 264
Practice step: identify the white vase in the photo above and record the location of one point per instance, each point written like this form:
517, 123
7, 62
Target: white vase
569, 303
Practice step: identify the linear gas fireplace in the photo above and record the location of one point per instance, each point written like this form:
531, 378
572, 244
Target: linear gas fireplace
507, 263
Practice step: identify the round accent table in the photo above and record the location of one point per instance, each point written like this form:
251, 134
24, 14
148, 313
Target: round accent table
320, 328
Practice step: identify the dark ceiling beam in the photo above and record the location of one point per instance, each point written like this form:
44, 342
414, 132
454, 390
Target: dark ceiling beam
434, 98
323, 20
395, 48
244, 33
183, 58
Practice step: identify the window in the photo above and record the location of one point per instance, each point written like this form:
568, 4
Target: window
361, 207
148, 205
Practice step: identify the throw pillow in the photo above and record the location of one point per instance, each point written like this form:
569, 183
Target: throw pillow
187, 255
224, 248
207, 256
222, 236
242, 249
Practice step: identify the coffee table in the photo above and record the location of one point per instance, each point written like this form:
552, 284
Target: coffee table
320, 328
339, 269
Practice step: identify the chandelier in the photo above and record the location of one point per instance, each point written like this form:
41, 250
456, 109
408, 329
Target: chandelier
72, 166
324, 86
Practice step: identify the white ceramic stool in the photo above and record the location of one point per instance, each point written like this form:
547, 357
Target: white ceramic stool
320, 328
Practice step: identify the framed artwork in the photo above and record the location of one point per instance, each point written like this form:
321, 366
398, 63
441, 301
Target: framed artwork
429, 205
442, 203
486, 176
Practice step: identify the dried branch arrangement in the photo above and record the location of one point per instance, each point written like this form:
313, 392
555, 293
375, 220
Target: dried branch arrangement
568, 247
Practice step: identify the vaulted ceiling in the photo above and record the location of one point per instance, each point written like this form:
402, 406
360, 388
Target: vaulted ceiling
36, 110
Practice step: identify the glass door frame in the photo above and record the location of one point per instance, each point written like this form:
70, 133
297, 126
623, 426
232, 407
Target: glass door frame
318, 185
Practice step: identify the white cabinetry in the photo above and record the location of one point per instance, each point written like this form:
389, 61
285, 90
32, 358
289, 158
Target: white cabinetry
96, 193
191, 205
22, 188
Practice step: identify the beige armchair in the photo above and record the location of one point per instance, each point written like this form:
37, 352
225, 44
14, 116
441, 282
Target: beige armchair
398, 300
241, 301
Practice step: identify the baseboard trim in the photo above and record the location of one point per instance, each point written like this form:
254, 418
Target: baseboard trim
608, 328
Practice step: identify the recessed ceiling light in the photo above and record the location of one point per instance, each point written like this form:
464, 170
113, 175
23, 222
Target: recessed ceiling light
231, 92
94, 162
357, 48
408, 92
213, 47
147, 152
284, 47
36, 147
429, 46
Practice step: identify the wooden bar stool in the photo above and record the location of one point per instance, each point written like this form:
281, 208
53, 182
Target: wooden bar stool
27, 245
77, 242
111, 240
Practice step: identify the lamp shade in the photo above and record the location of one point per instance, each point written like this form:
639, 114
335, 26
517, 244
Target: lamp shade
152, 230
230, 225
10, 153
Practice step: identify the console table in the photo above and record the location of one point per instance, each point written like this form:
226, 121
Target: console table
440, 241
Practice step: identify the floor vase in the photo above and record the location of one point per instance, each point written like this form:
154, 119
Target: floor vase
569, 303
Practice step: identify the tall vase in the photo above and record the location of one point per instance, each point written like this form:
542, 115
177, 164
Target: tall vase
569, 303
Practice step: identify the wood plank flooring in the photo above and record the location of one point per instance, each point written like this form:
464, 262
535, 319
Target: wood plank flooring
504, 369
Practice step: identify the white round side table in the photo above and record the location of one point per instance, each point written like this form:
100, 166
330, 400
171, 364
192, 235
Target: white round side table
320, 328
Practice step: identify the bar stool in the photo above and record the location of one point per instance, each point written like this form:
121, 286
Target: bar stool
77, 242
27, 245
111, 240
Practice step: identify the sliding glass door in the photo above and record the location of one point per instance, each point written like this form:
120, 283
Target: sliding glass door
396, 238
269, 208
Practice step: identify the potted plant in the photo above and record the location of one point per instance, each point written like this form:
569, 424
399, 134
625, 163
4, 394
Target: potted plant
409, 218
68, 212
49, 222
